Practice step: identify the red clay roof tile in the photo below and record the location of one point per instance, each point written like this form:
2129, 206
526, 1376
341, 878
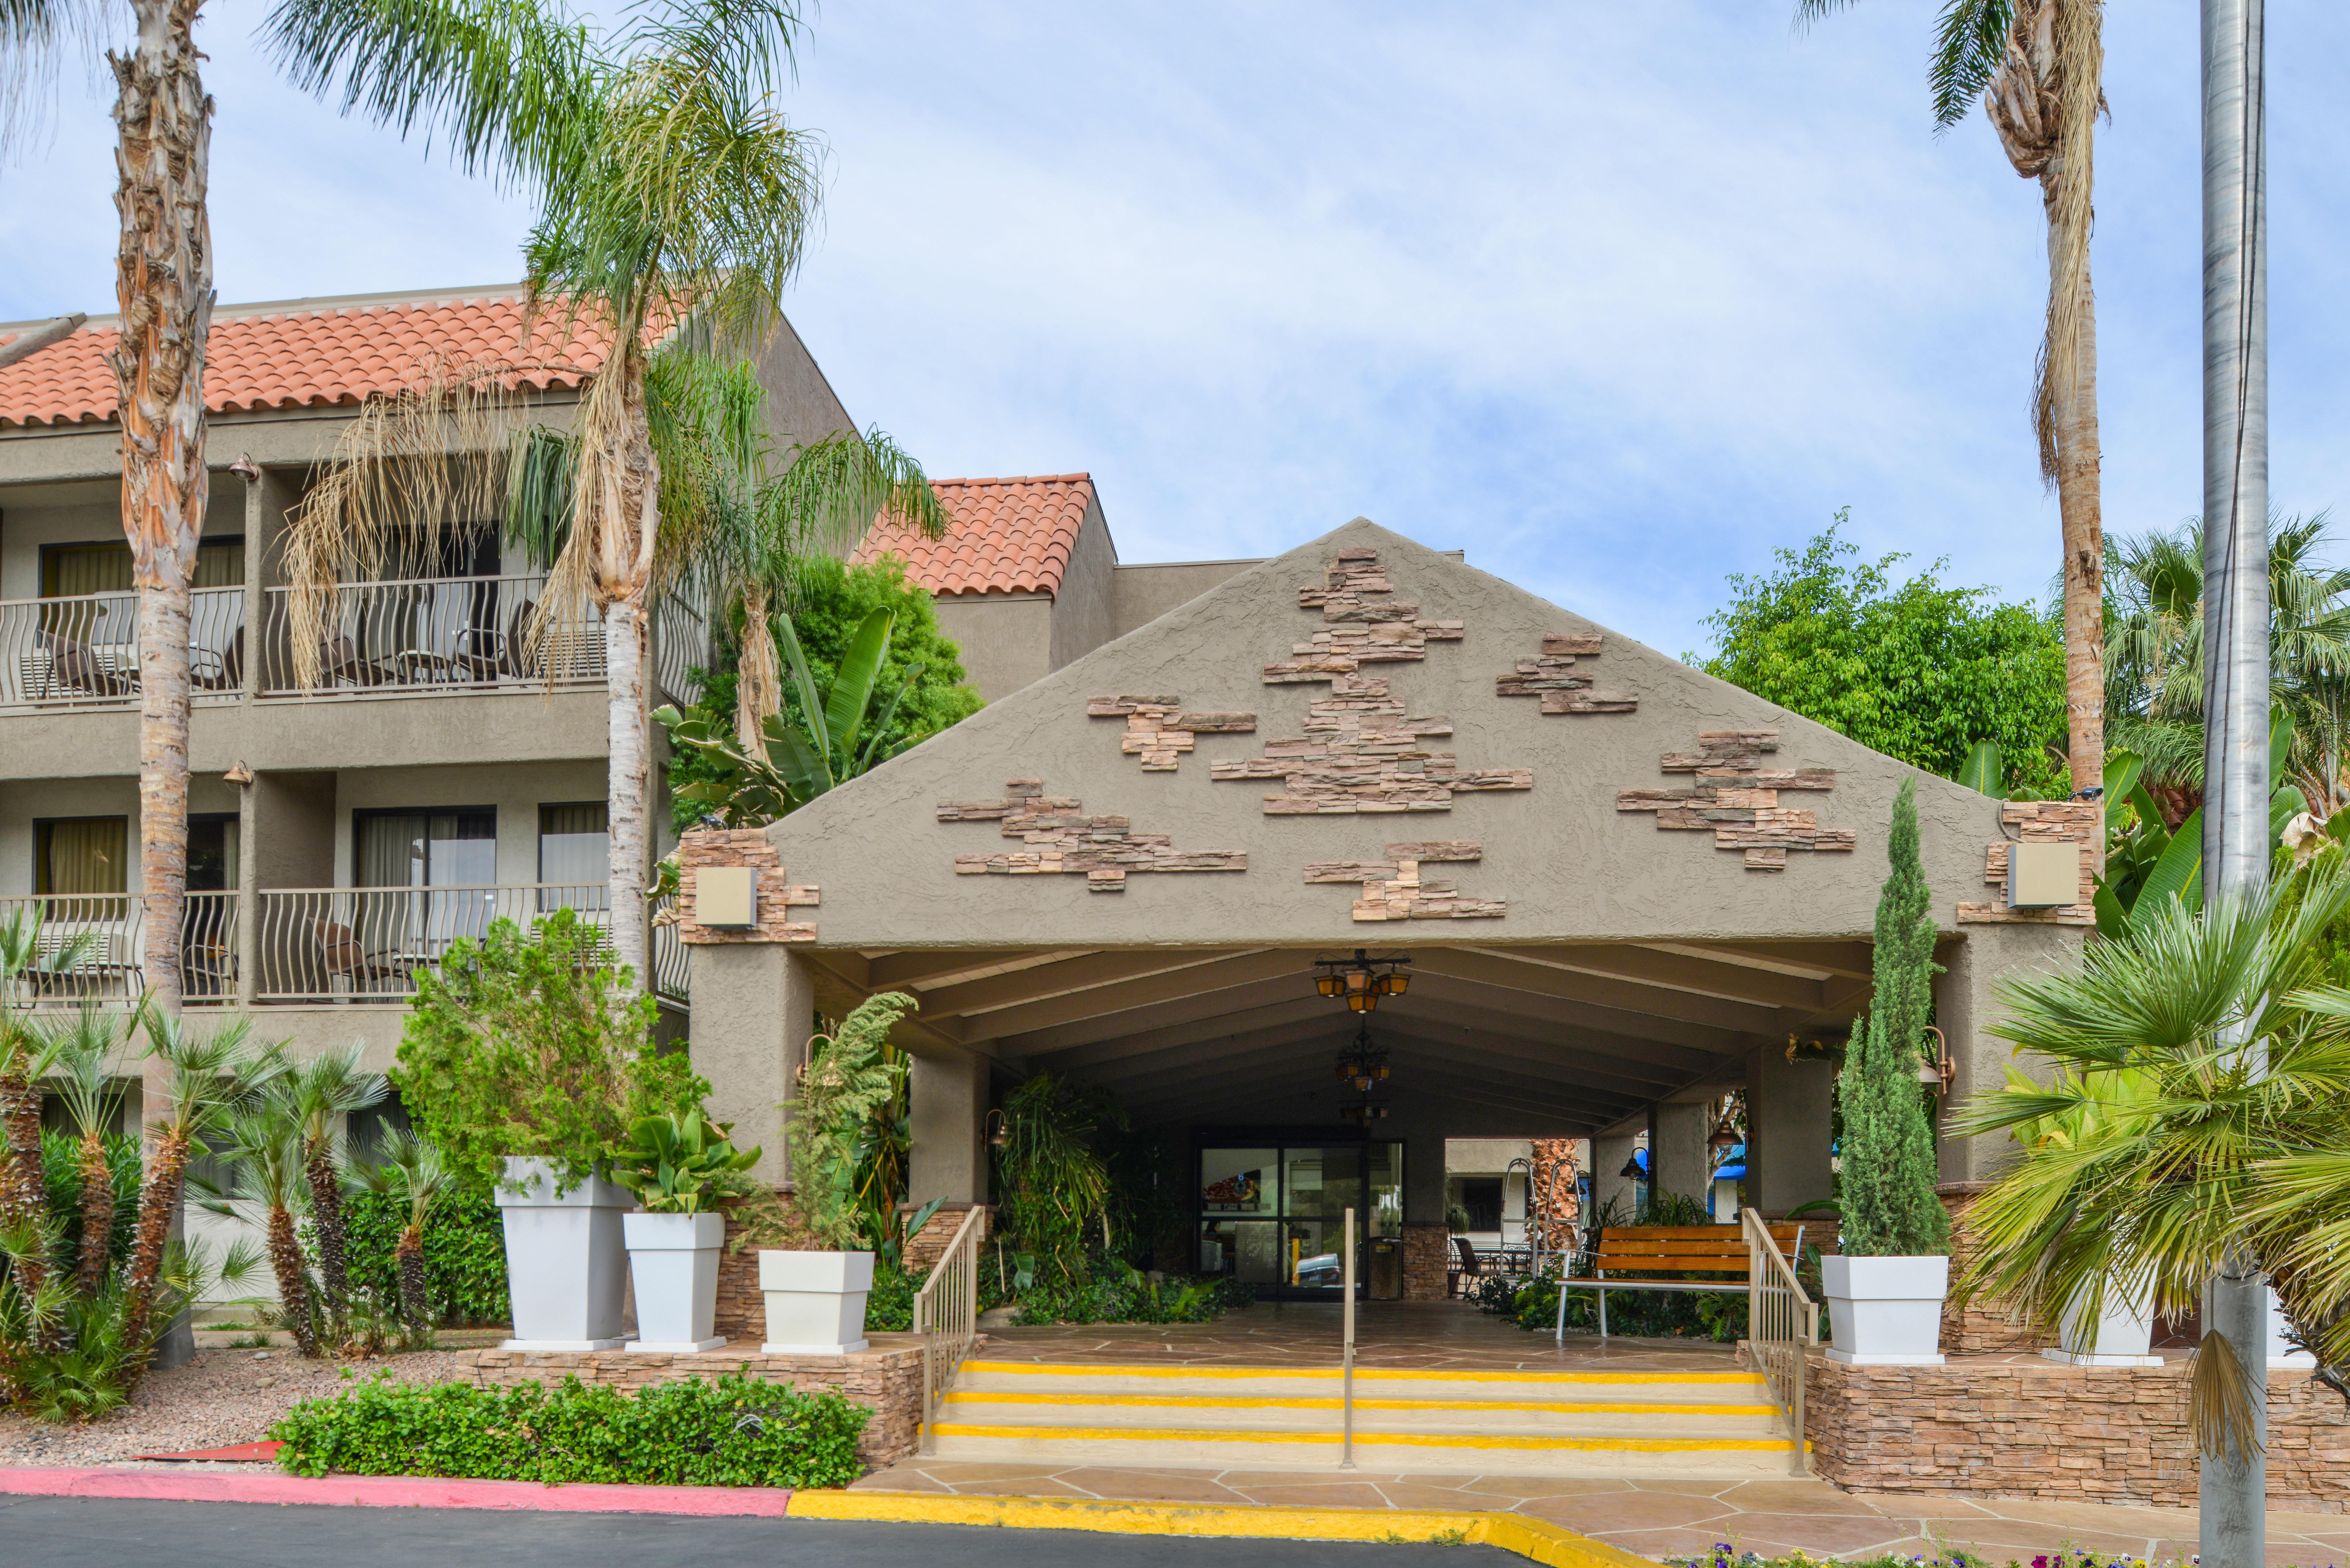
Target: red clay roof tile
315, 357
1009, 535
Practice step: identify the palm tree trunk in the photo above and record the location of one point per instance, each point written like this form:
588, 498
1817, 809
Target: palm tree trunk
624, 674
415, 1305
158, 1210
326, 1212
24, 1188
97, 1213
293, 1284
2080, 505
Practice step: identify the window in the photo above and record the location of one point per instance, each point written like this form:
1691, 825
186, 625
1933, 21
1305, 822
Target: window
211, 852
105, 568
575, 854
81, 855
454, 848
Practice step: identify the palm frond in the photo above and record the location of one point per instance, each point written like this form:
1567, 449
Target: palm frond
1970, 37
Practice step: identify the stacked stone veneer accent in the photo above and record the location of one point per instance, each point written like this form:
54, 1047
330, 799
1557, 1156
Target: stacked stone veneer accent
1362, 750
1061, 840
886, 1379
742, 846
926, 1246
1426, 1260
1980, 1326
1159, 731
2032, 1427
2079, 822
1393, 888
1552, 677
1736, 798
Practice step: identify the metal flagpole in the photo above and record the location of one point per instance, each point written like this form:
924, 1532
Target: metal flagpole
2232, 1494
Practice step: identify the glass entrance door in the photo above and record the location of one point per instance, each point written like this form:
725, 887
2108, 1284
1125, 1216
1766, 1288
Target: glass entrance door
1272, 1216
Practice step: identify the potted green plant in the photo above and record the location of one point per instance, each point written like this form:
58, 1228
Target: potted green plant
1885, 1289
815, 1296
527, 1059
681, 1166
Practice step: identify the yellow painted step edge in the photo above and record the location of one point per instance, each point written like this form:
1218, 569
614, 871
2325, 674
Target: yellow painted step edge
1362, 1375
1367, 1439
1326, 1402
1537, 1539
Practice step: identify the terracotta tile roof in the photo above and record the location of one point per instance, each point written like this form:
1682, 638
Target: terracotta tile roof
1009, 535
321, 357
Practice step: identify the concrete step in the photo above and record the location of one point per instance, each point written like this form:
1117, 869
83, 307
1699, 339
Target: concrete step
1384, 1383
1373, 1413
1498, 1453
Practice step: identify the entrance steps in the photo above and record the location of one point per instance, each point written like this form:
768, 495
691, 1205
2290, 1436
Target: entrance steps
1513, 1423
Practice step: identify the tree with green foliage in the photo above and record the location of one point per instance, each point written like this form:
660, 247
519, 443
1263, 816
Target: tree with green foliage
849, 1079
533, 1044
1920, 671
1889, 1207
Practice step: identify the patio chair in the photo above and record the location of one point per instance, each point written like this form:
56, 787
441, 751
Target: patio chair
339, 662
485, 653
341, 951
218, 671
1465, 1267
77, 667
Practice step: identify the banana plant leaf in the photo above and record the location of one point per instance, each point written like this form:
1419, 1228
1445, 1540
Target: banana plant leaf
852, 685
2122, 771
2179, 874
1985, 771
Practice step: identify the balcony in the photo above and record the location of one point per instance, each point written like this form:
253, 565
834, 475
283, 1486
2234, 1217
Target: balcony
308, 946
421, 636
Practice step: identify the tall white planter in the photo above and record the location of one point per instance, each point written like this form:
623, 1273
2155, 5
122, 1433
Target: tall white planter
815, 1302
673, 1259
566, 1260
2122, 1334
1884, 1312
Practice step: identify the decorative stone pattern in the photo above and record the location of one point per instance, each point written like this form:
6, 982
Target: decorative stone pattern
925, 1247
1737, 799
1360, 630
2026, 1426
886, 1379
1427, 1248
1393, 888
1552, 677
1062, 841
1159, 731
1980, 1327
741, 846
2081, 821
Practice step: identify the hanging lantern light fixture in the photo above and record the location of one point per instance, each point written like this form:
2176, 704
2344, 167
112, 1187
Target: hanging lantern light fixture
1361, 980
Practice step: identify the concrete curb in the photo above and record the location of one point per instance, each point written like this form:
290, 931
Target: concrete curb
1534, 1538
394, 1491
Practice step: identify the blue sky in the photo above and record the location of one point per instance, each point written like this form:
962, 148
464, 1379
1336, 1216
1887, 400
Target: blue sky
1617, 298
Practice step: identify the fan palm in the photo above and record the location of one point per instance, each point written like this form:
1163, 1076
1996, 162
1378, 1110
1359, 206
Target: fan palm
322, 1091
2203, 1072
2038, 66
88, 1068
673, 204
411, 1172
265, 1139
2154, 654
163, 285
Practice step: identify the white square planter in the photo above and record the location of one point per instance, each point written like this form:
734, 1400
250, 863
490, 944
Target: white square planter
2123, 1334
674, 1258
566, 1264
815, 1302
1884, 1312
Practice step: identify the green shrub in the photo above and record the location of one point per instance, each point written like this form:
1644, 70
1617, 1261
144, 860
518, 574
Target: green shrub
734, 1432
464, 1254
61, 1171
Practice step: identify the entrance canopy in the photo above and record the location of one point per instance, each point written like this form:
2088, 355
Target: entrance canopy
1620, 883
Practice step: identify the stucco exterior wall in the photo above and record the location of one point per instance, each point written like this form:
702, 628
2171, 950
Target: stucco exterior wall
802, 407
1145, 591
1085, 611
1567, 863
1006, 639
22, 804
515, 791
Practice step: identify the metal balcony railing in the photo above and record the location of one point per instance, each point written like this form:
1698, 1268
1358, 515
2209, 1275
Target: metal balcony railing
369, 944
436, 634
92, 947
83, 651
318, 944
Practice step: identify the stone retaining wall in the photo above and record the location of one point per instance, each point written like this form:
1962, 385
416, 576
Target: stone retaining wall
2032, 1428
886, 1380
1427, 1250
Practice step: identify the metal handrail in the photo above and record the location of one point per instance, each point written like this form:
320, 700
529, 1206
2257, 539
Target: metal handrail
1783, 1325
946, 1315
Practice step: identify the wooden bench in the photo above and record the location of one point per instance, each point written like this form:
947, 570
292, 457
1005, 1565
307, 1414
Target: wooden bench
1672, 1249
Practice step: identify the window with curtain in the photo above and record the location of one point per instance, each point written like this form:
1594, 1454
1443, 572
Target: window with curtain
81, 855
575, 850
70, 569
428, 850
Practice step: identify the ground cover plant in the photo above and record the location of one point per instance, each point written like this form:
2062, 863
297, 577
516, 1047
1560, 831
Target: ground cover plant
1726, 1554
735, 1431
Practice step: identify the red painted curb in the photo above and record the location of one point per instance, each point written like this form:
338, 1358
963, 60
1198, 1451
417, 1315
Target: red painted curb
394, 1491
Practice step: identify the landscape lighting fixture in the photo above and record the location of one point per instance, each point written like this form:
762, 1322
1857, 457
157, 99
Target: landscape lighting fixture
1359, 982
1725, 1136
999, 1129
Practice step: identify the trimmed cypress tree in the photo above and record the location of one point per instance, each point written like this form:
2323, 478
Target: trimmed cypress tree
1889, 1207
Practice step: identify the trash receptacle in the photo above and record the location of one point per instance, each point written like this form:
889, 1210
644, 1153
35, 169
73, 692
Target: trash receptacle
1387, 1269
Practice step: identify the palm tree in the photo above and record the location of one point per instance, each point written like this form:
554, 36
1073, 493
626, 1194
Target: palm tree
673, 204
2038, 66
322, 1092
413, 1173
88, 1062
266, 1141
2202, 1076
163, 285
26, 1055
2154, 659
